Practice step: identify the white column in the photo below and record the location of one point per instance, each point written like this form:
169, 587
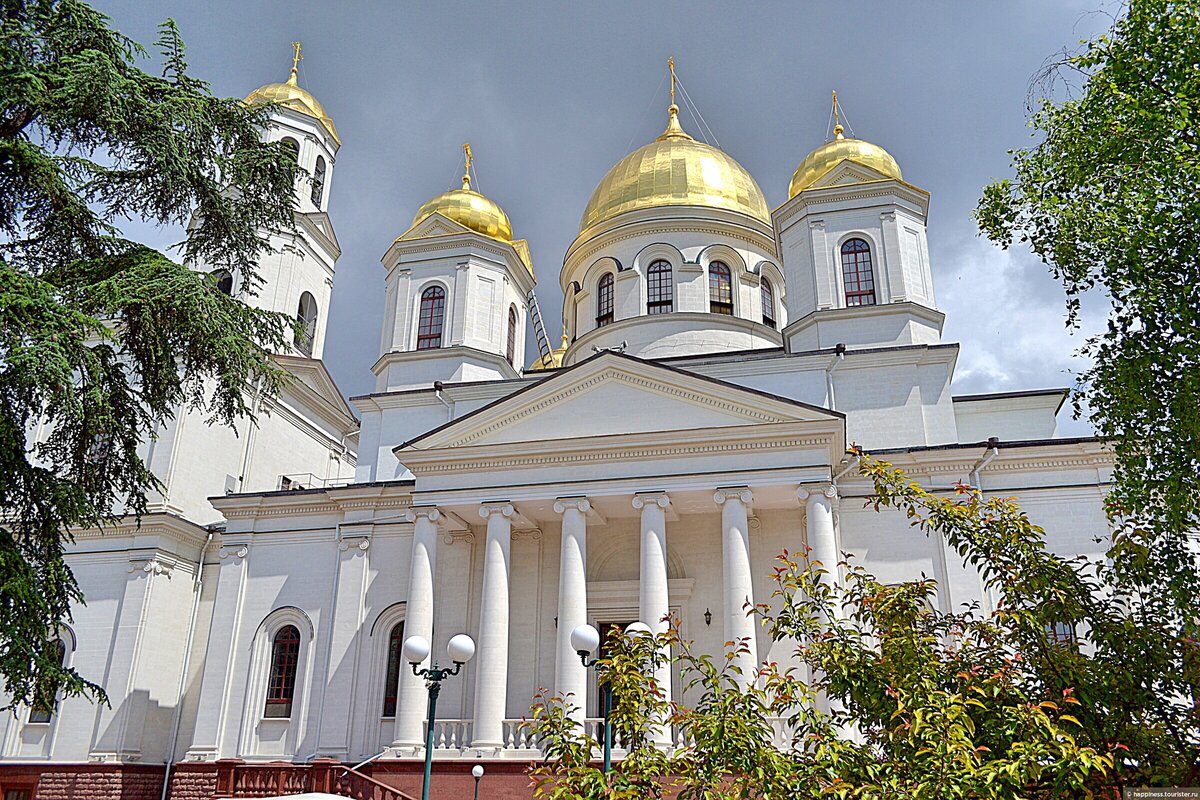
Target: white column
491, 664
822, 540
654, 602
418, 621
570, 676
739, 581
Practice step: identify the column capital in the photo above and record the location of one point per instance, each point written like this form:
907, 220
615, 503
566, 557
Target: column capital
432, 513
580, 504
726, 493
828, 491
643, 499
502, 507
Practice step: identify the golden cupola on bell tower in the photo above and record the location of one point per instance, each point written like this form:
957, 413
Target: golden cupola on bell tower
459, 293
852, 233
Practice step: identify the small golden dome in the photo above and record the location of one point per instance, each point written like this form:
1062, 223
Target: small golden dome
820, 161
675, 170
470, 209
292, 95
552, 361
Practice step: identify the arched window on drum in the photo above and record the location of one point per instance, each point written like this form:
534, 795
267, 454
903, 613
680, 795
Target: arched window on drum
431, 318
858, 278
604, 300
768, 303
720, 289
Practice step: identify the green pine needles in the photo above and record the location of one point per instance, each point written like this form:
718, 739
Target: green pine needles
101, 337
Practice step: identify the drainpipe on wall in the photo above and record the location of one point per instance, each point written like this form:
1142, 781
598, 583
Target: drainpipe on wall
187, 662
839, 356
993, 450
438, 386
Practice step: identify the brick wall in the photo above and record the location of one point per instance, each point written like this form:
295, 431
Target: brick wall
193, 782
88, 781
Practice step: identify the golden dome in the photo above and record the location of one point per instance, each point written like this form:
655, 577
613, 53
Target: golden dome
552, 361
820, 161
675, 170
292, 95
470, 209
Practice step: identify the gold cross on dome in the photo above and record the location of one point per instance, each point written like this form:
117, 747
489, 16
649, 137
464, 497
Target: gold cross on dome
296, 57
671, 67
468, 159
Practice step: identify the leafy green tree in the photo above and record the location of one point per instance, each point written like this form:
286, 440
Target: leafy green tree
1108, 199
101, 337
893, 698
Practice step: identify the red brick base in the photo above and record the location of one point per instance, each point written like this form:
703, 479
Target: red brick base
452, 780
84, 781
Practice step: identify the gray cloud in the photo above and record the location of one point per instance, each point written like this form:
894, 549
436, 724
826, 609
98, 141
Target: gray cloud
551, 95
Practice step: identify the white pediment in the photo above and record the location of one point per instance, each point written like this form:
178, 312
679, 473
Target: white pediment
433, 225
847, 172
614, 395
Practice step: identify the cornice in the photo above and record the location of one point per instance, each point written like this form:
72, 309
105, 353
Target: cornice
605, 450
463, 241
450, 351
806, 200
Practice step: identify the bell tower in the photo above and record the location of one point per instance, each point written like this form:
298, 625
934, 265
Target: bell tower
459, 294
297, 276
855, 256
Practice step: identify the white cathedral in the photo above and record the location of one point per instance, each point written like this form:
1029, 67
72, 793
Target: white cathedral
717, 359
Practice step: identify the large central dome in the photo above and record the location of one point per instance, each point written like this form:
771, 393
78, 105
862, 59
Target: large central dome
675, 170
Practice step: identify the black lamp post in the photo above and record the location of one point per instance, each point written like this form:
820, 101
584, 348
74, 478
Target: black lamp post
461, 649
477, 773
585, 639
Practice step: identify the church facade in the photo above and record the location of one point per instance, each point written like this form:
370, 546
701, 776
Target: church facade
717, 359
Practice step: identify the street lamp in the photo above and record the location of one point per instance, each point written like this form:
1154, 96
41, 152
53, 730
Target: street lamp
416, 649
584, 641
477, 773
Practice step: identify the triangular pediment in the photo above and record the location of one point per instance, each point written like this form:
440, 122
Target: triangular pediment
313, 385
616, 395
319, 225
434, 225
848, 172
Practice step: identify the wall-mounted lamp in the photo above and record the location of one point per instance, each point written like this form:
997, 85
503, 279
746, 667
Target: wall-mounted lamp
708, 616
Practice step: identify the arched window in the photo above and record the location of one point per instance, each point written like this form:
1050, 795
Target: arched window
292, 145
511, 346
281, 683
768, 303
660, 289
306, 324
604, 300
395, 660
720, 289
318, 182
43, 707
429, 323
857, 276
223, 280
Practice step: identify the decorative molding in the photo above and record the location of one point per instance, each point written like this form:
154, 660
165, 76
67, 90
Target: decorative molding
227, 551
453, 537
360, 543
742, 493
432, 513
580, 504
631, 453
526, 535
503, 508
151, 566
643, 499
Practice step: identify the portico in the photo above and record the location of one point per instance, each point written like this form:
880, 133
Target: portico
629, 532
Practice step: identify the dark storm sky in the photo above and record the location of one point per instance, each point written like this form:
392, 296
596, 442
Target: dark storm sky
551, 95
